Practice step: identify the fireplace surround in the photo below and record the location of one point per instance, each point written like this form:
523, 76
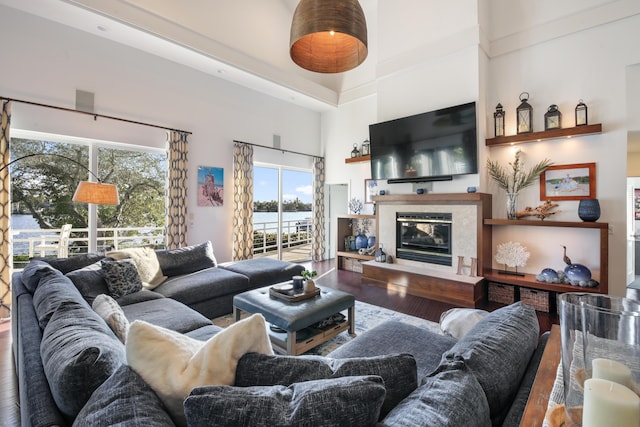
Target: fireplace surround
424, 237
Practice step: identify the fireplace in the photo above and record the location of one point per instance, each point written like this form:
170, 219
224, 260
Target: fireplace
424, 237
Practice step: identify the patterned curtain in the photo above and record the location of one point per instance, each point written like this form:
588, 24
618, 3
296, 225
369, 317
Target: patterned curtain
242, 201
5, 204
176, 228
318, 244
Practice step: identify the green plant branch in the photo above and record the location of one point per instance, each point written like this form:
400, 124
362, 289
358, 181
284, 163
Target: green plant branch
517, 179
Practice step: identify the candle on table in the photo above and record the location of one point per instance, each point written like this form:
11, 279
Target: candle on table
609, 404
607, 369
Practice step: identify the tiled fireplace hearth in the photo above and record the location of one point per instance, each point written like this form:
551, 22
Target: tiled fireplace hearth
469, 238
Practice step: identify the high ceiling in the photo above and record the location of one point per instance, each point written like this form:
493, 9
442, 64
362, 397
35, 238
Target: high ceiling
243, 41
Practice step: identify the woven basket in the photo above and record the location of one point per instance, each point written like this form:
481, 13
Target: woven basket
536, 298
503, 294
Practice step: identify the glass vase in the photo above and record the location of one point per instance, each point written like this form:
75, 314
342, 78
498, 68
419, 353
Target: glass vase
512, 205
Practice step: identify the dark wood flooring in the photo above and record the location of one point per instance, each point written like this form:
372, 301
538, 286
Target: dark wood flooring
328, 276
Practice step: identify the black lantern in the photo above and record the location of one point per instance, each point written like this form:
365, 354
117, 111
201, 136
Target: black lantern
355, 152
524, 114
498, 120
552, 118
581, 114
365, 147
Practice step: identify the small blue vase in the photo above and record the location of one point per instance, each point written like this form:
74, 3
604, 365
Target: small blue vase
371, 241
589, 210
361, 241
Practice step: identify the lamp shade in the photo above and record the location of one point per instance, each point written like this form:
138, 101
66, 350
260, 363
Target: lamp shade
97, 193
328, 36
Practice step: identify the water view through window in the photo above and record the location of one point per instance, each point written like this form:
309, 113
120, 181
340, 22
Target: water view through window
291, 193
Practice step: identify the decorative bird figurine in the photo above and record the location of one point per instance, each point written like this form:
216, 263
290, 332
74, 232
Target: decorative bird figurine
565, 258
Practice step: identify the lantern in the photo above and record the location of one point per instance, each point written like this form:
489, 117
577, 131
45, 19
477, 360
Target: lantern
552, 118
498, 120
365, 147
524, 114
581, 114
355, 152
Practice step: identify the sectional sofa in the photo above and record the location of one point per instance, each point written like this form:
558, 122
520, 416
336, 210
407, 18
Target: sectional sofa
73, 370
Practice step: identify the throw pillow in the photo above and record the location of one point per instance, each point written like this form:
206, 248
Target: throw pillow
399, 372
124, 399
121, 276
450, 396
146, 262
66, 265
110, 311
79, 352
173, 364
456, 322
337, 402
176, 262
497, 351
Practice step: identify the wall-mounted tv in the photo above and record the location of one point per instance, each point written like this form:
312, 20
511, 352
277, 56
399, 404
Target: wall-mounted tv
432, 146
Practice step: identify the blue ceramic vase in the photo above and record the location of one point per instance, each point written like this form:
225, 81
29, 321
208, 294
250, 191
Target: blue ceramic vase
361, 241
371, 241
589, 210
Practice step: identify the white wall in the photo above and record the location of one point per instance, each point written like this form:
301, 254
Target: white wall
47, 62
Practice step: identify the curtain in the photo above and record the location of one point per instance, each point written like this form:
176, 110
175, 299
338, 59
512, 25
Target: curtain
318, 243
242, 201
176, 217
5, 203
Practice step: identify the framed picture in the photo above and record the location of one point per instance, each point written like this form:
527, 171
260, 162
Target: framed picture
210, 186
371, 188
568, 182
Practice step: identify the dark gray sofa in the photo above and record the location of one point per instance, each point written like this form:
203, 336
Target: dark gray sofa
72, 370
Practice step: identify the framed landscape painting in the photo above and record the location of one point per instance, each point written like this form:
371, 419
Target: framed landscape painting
210, 186
568, 182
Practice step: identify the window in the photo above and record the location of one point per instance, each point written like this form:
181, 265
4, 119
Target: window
42, 187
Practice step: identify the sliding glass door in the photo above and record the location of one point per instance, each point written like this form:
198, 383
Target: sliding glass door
282, 217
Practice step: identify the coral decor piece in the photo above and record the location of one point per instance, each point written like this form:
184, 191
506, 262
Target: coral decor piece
541, 212
355, 206
512, 254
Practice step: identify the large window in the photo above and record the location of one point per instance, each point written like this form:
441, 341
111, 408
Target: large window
42, 187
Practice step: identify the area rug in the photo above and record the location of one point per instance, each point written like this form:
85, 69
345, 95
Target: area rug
367, 316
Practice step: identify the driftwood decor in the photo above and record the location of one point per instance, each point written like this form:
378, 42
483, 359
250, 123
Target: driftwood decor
541, 212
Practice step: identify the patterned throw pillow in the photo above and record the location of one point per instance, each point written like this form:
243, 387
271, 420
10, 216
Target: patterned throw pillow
121, 276
112, 313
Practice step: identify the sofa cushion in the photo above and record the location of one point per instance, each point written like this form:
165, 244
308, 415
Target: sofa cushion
53, 291
140, 296
264, 271
393, 337
34, 272
203, 285
90, 281
121, 276
109, 310
451, 397
398, 372
166, 313
146, 262
66, 265
175, 262
353, 401
497, 351
123, 399
173, 364
79, 352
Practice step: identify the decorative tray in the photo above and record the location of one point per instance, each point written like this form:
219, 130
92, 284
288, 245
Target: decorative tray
289, 295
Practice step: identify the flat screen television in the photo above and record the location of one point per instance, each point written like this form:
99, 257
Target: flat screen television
432, 146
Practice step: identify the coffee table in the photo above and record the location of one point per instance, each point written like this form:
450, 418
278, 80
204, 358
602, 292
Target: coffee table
296, 318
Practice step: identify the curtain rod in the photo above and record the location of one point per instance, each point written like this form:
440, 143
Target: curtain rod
277, 149
95, 115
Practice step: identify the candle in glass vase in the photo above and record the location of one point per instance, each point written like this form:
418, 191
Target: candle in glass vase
609, 404
607, 369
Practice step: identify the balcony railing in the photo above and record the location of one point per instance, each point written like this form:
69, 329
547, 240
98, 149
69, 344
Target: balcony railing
294, 233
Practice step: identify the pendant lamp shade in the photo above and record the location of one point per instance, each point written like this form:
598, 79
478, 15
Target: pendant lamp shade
328, 36
96, 192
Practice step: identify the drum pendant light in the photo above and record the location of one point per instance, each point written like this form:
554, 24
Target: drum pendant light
328, 36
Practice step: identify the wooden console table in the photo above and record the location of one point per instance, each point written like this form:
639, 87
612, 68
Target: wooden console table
536, 408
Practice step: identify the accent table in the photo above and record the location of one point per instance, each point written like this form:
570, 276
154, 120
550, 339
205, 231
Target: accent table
298, 317
538, 402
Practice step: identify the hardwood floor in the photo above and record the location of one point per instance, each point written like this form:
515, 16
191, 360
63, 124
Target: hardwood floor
328, 276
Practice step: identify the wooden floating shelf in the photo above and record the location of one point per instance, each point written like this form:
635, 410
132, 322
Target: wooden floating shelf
538, 223
358, 159
544, 135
